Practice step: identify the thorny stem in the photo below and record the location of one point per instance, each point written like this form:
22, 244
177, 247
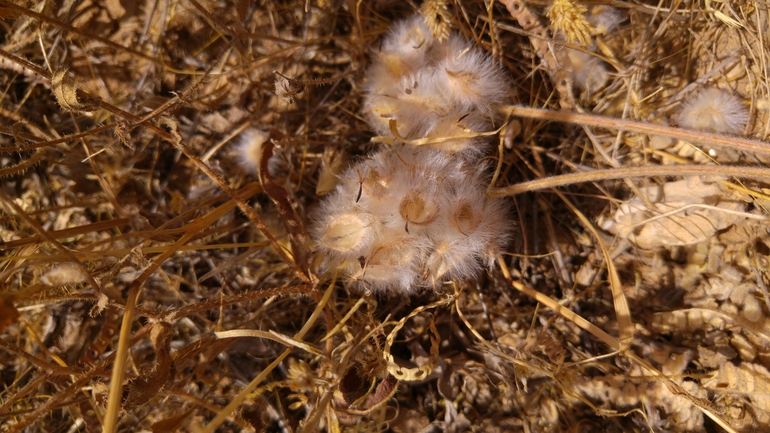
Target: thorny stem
245, 392
56, 398
118, 370
38, 144
31, 13
48, 237
757, 173
720, 140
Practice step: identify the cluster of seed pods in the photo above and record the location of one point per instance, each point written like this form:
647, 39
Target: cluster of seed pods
417, 215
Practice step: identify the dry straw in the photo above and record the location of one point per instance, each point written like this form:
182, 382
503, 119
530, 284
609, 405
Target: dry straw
145, 254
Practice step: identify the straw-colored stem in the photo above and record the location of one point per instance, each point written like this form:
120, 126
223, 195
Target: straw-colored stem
720, 140
757, 173
244, 393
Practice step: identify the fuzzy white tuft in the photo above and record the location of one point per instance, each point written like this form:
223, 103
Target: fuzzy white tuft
416, 216
248, 151
585, 70
605, 19
713, 110
429, 88
470, 77
410, 217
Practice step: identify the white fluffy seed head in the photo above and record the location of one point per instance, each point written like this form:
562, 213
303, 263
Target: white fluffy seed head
248, 148
449, 82
411, 41
475, 231
418, 208
348, 233
416, 215
605, 18
586, 71
713, 110
470, 77
248, 151
411, 217
415, 102
393, 264
64, 274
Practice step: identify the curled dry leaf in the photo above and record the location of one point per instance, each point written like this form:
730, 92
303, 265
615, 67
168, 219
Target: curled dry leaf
8, 313
171, 423
278, 194
67, 95
147, 386
686, 212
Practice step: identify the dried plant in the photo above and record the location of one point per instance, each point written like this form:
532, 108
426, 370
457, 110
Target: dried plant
159, 274
569, 18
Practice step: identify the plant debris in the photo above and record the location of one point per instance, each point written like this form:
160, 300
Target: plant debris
154, 279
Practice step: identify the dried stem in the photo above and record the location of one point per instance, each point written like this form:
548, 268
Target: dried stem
756, 173
720, 140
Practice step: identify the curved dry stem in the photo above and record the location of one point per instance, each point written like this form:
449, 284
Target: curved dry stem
720, 140
244, 393
756, 173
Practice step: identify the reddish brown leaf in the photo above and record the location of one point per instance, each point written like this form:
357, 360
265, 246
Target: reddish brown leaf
280, 197
385, 390
147, 386
8, 313
172, 423
256, 414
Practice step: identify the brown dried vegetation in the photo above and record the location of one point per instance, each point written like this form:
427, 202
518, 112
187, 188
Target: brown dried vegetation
147, 282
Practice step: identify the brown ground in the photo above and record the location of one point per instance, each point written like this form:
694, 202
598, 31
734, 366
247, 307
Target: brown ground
635, 302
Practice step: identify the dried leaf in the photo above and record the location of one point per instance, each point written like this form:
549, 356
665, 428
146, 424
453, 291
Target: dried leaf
8, 313
385, 390
172, 423
291, 221
351, 385
686, 212
147, 386
67, 95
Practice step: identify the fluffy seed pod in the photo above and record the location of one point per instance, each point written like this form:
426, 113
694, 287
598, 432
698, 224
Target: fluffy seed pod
411, 41
417, 214
471, 78
418, 208
428, 87
713, 110
392, 265
348, 233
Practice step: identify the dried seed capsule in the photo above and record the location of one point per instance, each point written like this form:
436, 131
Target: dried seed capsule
348, 233
418, 208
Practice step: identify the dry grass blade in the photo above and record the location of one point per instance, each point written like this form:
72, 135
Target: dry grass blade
291, 220
622, 310
727, 141
616, 345
155, 270
755, 173
244, 393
